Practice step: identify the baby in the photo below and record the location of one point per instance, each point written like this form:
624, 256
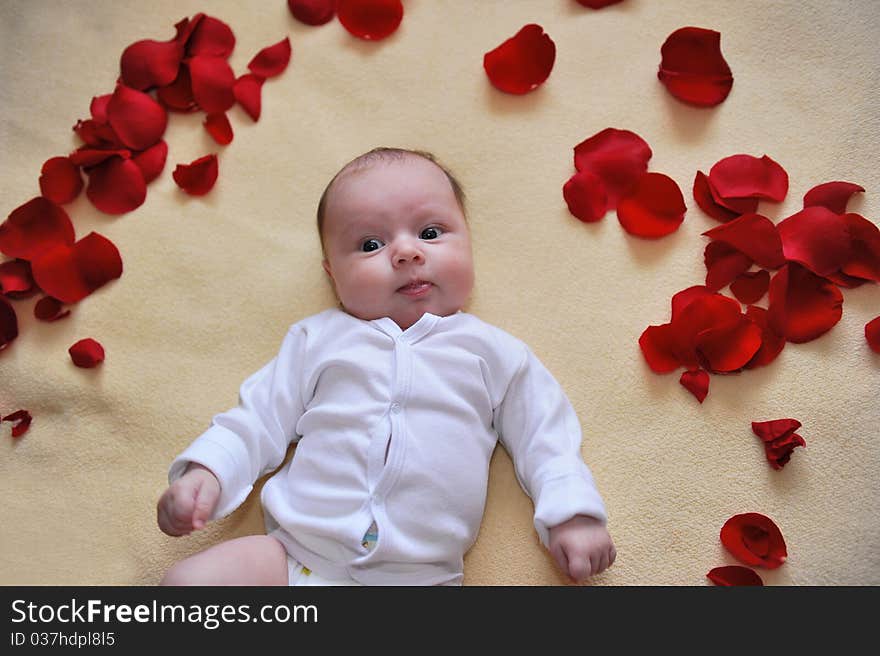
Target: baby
396, 402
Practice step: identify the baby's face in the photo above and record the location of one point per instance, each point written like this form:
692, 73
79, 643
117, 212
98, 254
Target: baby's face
396, 242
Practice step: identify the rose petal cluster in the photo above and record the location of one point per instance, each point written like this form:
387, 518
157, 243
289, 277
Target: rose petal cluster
370, 20
753, 539
779, 438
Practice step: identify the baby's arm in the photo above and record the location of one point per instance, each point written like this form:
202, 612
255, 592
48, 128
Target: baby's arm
582, 547
188, 502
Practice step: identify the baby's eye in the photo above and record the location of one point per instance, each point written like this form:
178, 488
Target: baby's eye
430, 233
371, 245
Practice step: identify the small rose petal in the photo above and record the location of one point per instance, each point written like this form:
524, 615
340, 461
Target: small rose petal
212, 83
832, 195
312, 12
658, 346
49, 308
585, 196
803, 306
8, 323
724, 264
178, 95
70, 273
772, 342
753, 235
219, 128
863, 261
730, 346
872, 334
775, 428
138, 119
779, 439
86, 353
116, 186
15, 278
248, 91
23, 417
618, 157
151, 161
745, 176
734, 575
35, 227
60, 180
198, 177
750, 287
211, 37
523, 62
149, 63
598, 4
692, 67
696, 382
654, 209
272, 60
816, 238
371, 20
755, 540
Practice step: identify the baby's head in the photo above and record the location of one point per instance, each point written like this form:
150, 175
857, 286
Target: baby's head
395, 239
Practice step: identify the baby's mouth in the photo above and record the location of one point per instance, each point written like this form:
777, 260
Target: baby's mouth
415, 288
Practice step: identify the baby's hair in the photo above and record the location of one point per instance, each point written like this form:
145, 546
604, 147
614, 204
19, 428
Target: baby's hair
384, 154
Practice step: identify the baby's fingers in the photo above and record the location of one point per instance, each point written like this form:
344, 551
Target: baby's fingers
205, 500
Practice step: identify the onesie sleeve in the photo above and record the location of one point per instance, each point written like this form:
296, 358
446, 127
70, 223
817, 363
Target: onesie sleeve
251, 439
540, 430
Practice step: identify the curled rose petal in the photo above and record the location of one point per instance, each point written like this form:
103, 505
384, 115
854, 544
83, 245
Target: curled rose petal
832, 195
211, 37
618, 157
70, 273
248, 91
178, 95
116, 186
585, 196
692, 67
97, 135
816, 238
753, 235
863, 261
734, 575
728, 347
272, 60
138, 119
312, 12
658, 345
50, 309
86, 353
371, 20
750, 287
151, 161
149, 63
779, 439
696, 382
219, 128
772, 342
60, 180
212, 82
872, 334
755, 540
523, 62
803, 306
598, 4
724, 264
15, 278
23, 417
654, 209
198, 177
745, 176
35, 227
8, 323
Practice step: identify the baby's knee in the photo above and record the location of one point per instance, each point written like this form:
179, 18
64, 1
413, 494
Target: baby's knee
181, 574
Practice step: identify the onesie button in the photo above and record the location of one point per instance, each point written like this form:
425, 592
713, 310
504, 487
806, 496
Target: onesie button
395, 408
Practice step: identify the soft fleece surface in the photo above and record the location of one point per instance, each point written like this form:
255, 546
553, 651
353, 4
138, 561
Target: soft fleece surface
211, 284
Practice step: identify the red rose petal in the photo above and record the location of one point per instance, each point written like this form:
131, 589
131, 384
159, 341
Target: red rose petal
138, 119
728, 347
98, 108
23, 417
734, 575
772, 342
618, 157
753, 235
272, 60
523, 62
779, 439
755, 540
219, 128
70, 273
370, 19
750, 287
35, 227
211, 37
723, 264
775, 428
15, 278
696, 382
212, 83
116, 186
803, 306
60, 180
703, 313
151, 161
654, 209
692, 67
706, 201
864, 254
658, 345
86, 353
687, 296
98, 135
8, 323
248, 91
816, 238
312, 12
872, 334
49, 308
585, 196
198, 177
598, 4
178, 95
745, 176
149, 63
832, 195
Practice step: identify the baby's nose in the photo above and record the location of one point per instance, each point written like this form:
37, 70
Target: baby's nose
408, 251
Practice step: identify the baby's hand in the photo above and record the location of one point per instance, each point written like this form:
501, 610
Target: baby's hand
582, 547
188, 502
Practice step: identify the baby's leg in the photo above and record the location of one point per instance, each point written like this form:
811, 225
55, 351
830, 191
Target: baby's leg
252, 560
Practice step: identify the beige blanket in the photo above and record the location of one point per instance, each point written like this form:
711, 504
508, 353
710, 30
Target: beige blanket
211, 284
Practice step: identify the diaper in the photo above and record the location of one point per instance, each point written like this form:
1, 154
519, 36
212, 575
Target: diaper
298, 574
